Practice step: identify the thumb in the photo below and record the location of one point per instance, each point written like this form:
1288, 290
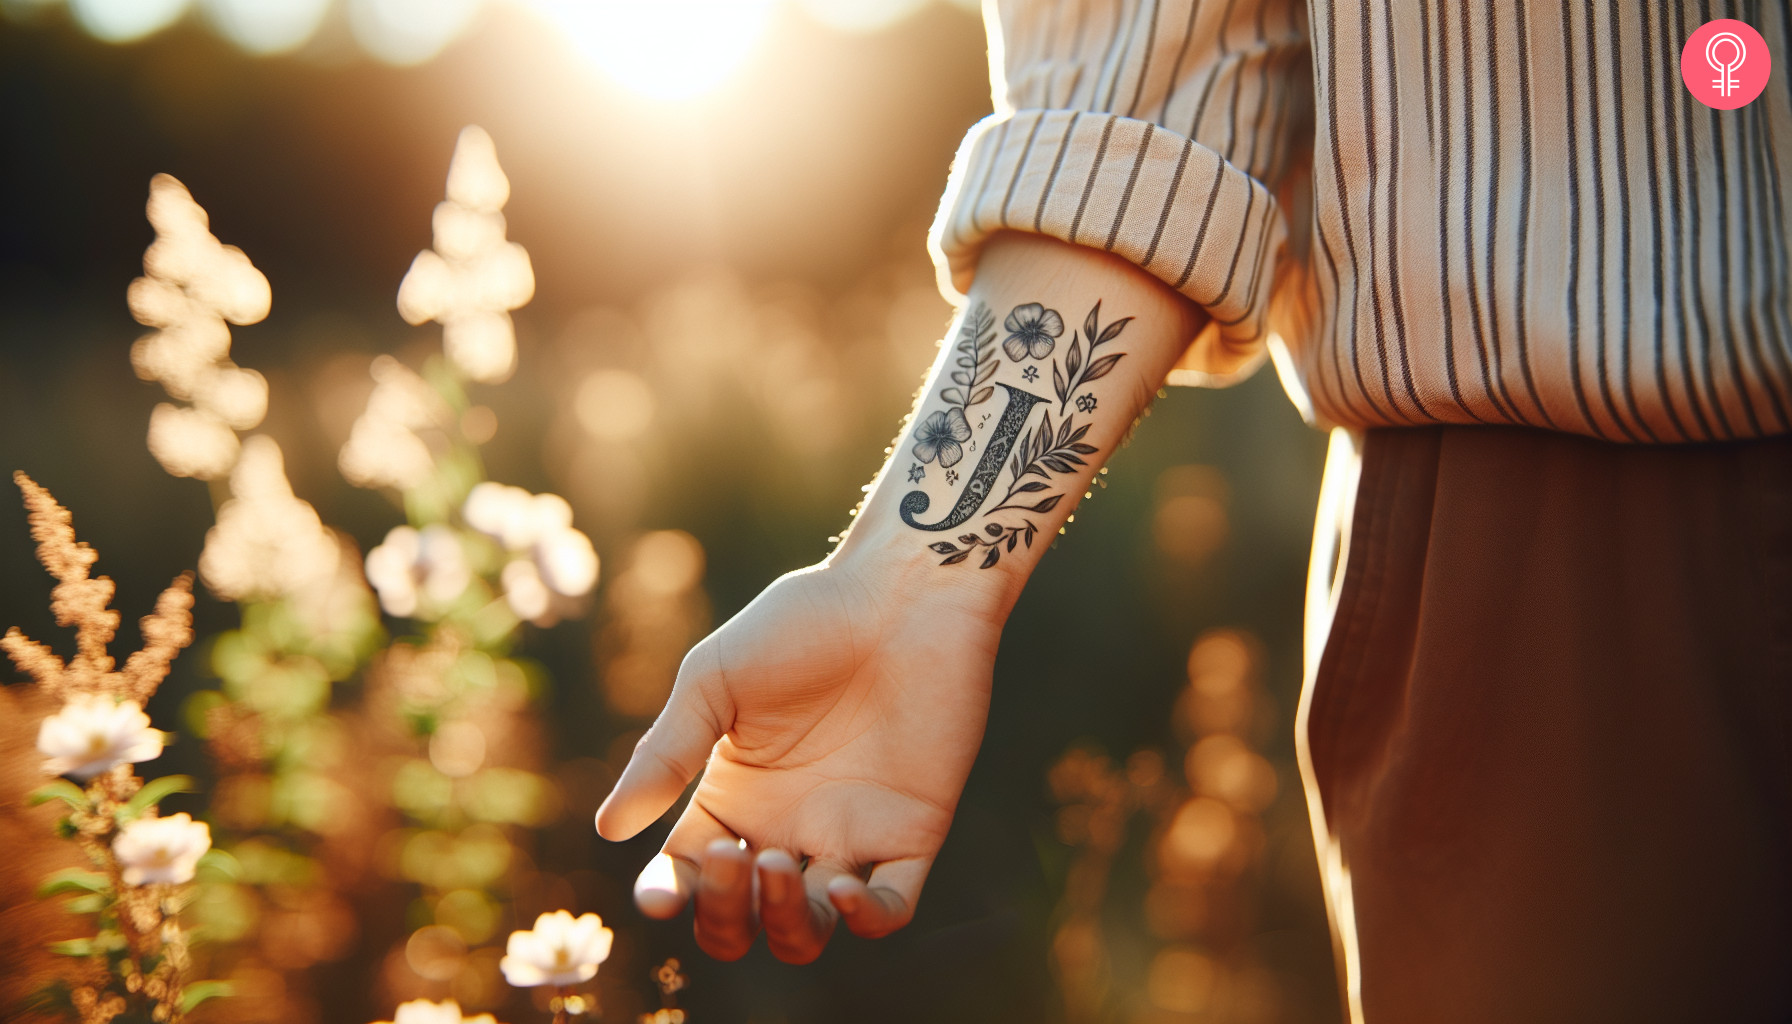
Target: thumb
671, 752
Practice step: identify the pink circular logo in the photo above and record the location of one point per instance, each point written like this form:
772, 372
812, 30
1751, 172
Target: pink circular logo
1725, 64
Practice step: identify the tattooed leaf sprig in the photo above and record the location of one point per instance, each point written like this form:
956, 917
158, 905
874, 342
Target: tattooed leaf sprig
1043, 453
974, 361
995, 539
1081, 368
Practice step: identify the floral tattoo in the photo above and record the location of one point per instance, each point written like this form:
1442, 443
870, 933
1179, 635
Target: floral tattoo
942, 436
1032, 331
1077, 372
1035, 457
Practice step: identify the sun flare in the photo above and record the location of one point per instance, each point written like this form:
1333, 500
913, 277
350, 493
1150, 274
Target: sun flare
667, 49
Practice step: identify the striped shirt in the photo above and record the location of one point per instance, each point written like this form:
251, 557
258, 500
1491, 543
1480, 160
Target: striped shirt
1426, 211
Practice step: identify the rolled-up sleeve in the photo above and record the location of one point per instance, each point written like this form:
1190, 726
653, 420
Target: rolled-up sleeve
1158, 130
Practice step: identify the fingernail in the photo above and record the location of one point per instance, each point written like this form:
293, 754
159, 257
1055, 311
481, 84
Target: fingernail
846, 894
722, 866
773, 886
656, 890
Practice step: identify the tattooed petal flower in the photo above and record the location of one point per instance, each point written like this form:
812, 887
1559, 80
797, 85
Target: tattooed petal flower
942, 436
154, 850
1033, 331
93, 734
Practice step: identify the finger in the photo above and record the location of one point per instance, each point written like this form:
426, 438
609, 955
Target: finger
669, 881
664, 886
670, 754
875, 909
724, 924
793, 906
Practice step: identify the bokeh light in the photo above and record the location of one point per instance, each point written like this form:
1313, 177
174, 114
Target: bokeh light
408, 31
668, 49
266, 26
124, 21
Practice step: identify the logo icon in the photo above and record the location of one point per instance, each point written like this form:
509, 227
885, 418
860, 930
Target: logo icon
1725, 64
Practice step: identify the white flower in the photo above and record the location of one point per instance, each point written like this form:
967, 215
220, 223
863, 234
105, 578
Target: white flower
415, 569
559, 559
93, 734
512, 516
154, 850
567, 562
191, 442
268, 543
386, 446
473, 276
561, 950
422, 1011
193, 288
527, 595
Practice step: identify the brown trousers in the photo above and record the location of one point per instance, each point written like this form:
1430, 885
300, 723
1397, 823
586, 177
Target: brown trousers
1550, 734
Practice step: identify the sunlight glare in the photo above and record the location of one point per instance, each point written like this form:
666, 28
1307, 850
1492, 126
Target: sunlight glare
860, 15
669, 49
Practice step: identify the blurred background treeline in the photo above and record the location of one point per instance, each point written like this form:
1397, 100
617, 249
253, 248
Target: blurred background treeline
733, 309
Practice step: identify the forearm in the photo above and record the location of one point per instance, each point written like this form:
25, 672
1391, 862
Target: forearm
1058, 350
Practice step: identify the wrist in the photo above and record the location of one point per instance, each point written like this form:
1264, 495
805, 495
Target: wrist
897, 563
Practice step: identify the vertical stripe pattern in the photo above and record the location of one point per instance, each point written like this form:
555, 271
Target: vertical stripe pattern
1517, 213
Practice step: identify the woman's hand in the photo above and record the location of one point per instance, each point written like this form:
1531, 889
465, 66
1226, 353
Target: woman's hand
839, 712
839, 716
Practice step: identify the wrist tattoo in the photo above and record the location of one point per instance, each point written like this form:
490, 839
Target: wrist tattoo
1015, 444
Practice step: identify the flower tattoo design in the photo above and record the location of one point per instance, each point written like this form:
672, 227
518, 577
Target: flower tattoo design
1033, 331
1028, 457
942, 436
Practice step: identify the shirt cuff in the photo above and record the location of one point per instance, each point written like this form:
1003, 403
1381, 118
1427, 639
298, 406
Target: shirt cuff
1170, 205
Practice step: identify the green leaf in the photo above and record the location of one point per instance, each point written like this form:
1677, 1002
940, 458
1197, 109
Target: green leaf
62, 790
72, 880
73, 947
222, 864
92, 903
199, 991
154, 790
